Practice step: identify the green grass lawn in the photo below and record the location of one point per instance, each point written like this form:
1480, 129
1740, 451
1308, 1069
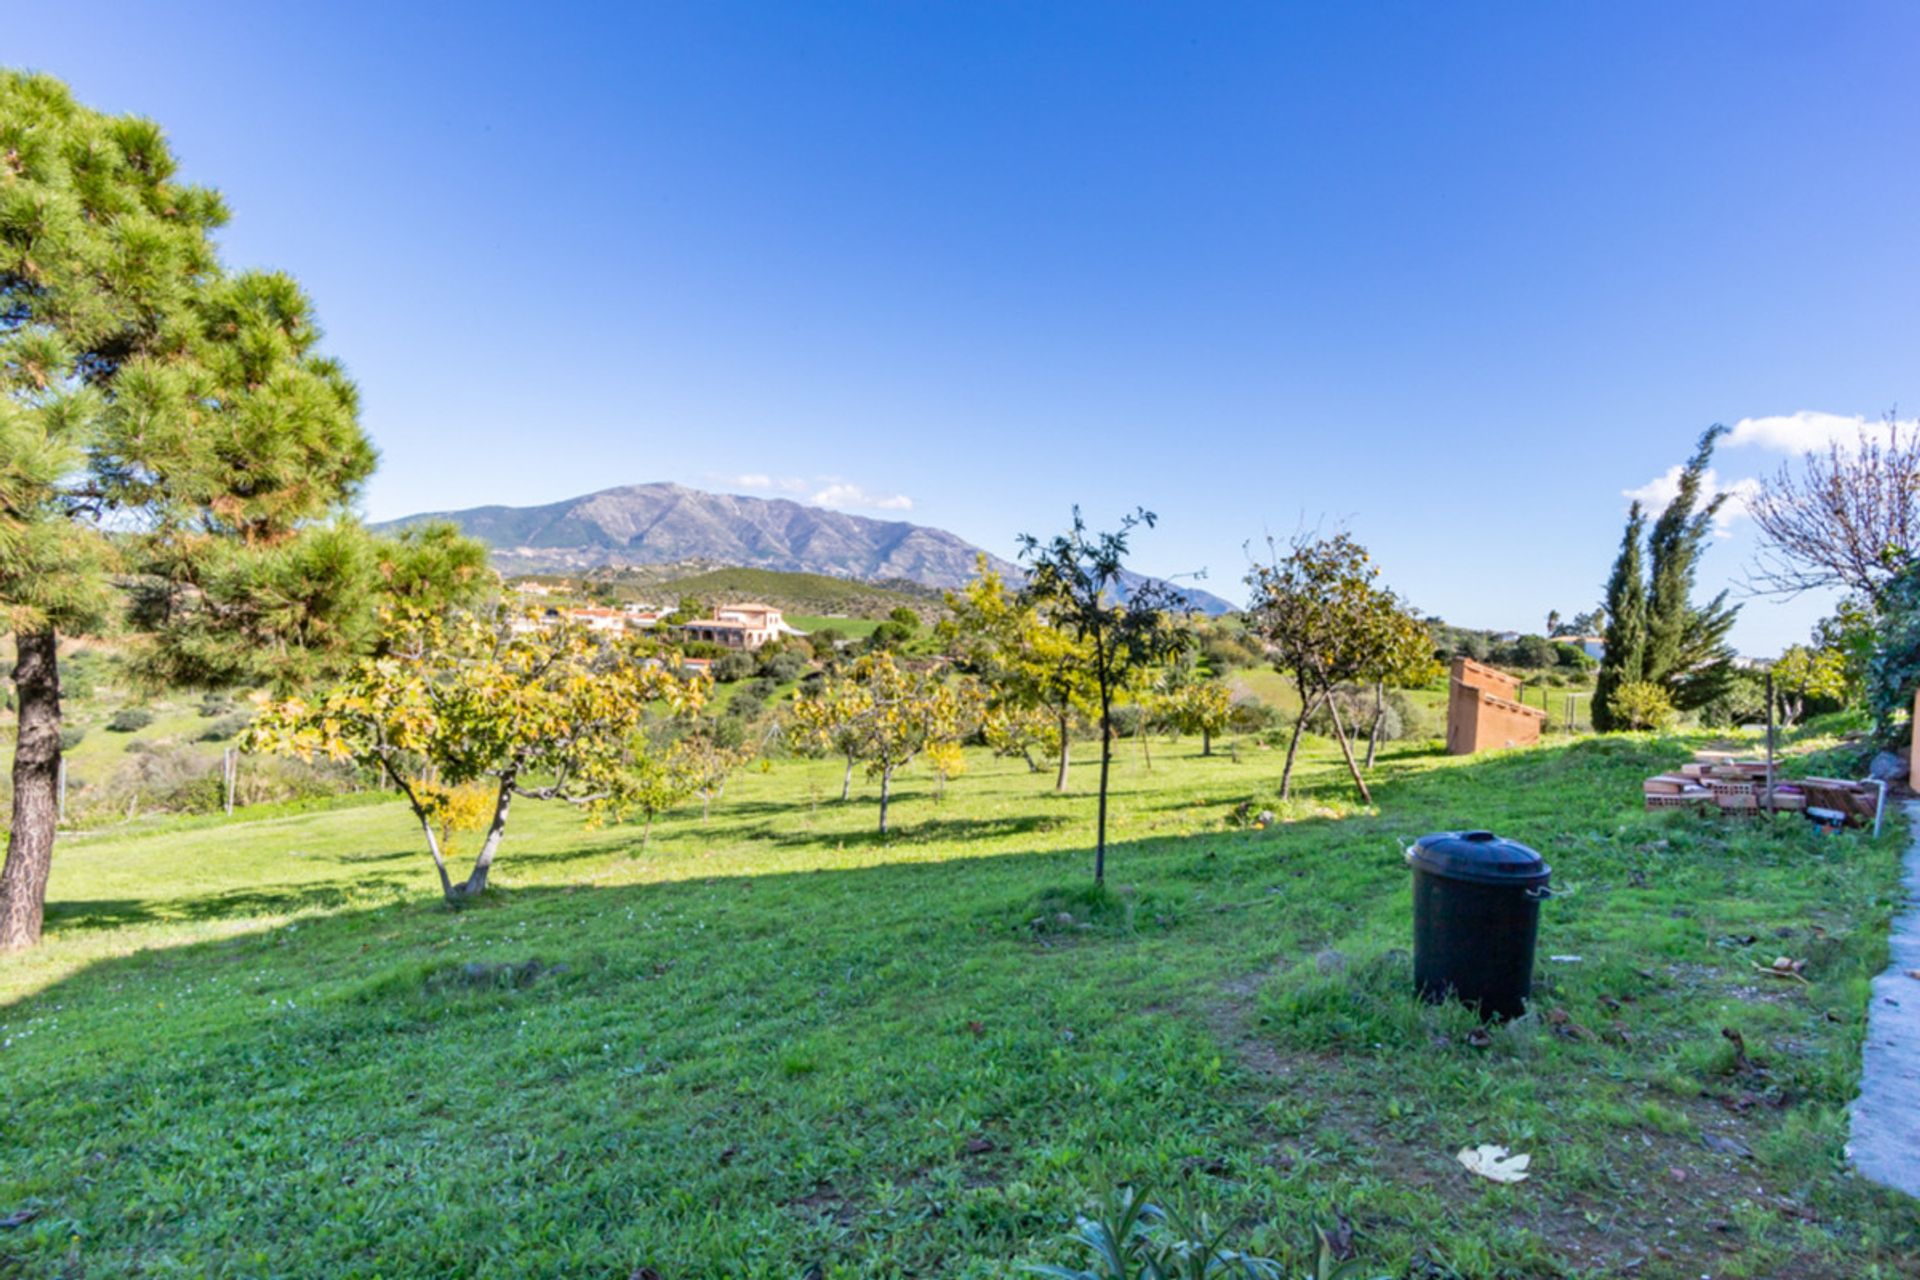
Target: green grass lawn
773, 1042
852, 628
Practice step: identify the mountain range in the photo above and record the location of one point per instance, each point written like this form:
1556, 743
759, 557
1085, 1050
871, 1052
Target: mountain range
643, 524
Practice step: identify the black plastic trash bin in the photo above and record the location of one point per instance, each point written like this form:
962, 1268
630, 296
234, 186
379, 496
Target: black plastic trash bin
1476, 912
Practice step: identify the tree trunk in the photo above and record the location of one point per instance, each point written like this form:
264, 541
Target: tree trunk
846, 780
1206, 742
1066, 748
886, 794
1293, 744
1346, 748
646, 834
1379, 715
36, 787
433, 848
1033, 766
1146, 750
476, 882
1106, 759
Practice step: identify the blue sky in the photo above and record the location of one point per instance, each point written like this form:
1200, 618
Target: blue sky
1457, 277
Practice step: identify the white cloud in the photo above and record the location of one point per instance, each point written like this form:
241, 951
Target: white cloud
1807, 431
1656, 493
762, 481
841, 493
822, 491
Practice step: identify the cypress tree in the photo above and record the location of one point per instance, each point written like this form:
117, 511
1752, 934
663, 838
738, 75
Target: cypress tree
1687, 650
1624, 661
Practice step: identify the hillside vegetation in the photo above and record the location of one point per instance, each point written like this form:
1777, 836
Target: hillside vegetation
795, 593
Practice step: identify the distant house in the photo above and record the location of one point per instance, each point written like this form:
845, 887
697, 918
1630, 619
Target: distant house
739, 626
1505, 637
533, 588
595, 619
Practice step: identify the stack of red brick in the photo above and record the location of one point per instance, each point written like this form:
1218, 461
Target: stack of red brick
1719, 781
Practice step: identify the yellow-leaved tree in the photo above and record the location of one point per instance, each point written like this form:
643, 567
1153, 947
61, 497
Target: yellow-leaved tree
458, 699
1031, 668
1204, 707
884, 714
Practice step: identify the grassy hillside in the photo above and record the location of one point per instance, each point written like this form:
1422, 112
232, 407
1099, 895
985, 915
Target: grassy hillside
773, 1044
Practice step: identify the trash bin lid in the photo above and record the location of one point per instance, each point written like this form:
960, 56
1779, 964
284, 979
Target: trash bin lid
1480, 857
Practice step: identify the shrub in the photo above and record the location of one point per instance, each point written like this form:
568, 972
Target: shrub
733, 666
1401, 720
782, 665
169, 777
458, 813
216, 704
1127, 720
1250, 714
1640, 704
227, 726
1743, 702
1573, 657
162, 777
130, 720
889, 635
1222, 652
1532, 652
70, 736
79, 674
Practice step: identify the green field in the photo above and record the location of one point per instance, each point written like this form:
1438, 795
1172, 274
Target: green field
852, 628
772, 1044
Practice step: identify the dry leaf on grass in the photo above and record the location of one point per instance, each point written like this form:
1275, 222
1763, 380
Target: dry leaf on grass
1494, 1164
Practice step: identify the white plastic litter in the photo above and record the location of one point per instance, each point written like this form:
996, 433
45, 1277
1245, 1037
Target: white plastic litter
1494, 1164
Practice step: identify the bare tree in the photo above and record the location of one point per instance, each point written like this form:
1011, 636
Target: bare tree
1847, 518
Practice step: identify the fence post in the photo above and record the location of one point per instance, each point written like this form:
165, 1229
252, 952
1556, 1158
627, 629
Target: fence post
229, 771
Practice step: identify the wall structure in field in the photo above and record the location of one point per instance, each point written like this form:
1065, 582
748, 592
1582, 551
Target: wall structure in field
1484, 713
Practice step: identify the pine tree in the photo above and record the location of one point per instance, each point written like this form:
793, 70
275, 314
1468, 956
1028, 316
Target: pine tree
1626, 651
170, 437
